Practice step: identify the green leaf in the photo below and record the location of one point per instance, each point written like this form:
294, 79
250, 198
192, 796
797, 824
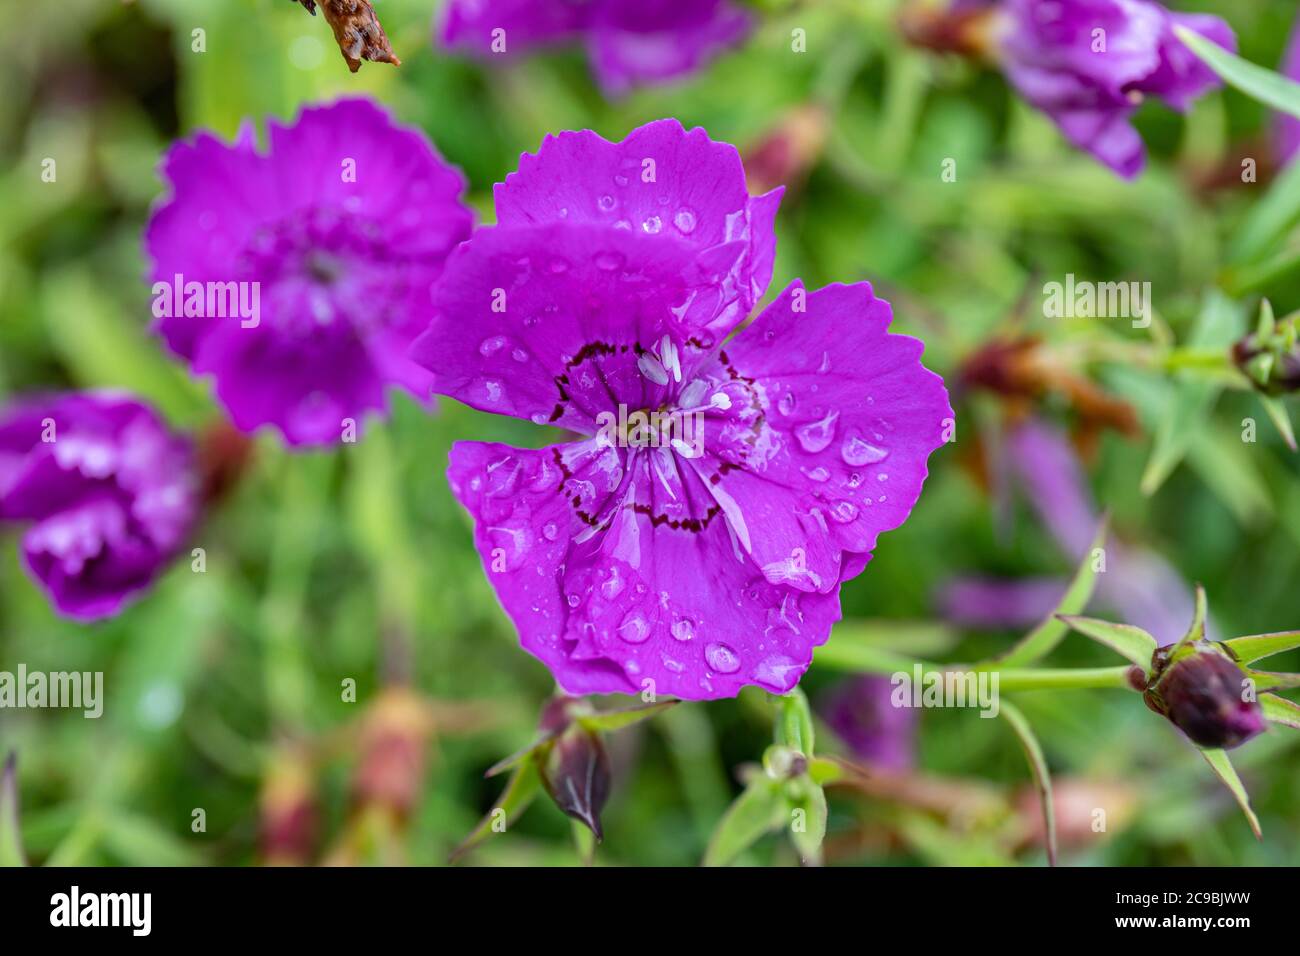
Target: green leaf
758, 811
863, 658
1280, 710
1197, 631
808, 838
1270, 680
618, 719
928, 638
1043, 639
1277, 413
11, 843
1270, 88
525, 783
1222, 766
139, 841
824, 770
1255, 647
794, 723
1132, 642
1270, 218
1193, 398
1038, 766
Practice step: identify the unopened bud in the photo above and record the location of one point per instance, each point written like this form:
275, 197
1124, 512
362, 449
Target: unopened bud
576, 774
1204, 693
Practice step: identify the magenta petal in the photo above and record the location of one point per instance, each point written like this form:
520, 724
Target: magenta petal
550, 322
660, 180
609, 599
848, 419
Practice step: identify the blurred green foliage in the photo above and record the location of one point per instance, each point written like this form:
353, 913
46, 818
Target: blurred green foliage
358, 565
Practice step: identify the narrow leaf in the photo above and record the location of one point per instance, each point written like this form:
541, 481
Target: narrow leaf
1038, 766
1271, 89
1280, 710
1197, 631
1271, 680
1278, 414
618, 719
1043, 639
1271, 217
757, 811
11, 844
1255, 647
1222, 766
524, 785
1132, 642
811, 831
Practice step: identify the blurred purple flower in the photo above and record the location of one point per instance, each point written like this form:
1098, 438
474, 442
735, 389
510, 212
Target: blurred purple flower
704, 558
333, 237
861, 714
1089, 63
107, 492
1140, 584
629, 41
1287, 127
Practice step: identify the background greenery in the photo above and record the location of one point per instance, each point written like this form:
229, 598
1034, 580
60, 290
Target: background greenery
223, 688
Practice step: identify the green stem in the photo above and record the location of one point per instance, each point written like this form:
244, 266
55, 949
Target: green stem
867, 660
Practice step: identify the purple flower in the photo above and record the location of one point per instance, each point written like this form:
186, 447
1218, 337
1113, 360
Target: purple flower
107, 493
1286, 131
1089, 63
298, 276
629, 41
701, 549
862, 713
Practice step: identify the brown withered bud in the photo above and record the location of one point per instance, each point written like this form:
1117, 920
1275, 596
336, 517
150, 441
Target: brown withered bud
224, 454
964, 28
1023, 368
288, 814
356, 30
395, 737
789, 151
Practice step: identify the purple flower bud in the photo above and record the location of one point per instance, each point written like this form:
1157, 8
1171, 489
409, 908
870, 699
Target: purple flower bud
108, 495
576, 774
1207, 696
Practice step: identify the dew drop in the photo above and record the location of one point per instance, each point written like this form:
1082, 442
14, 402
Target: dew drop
722, 658
492, 346
816, 474
609, 261
551, 532
683, 630
786, 403
775, 672
857, 452
652, 224
519, 355
684, 220
606, 203
634, 628
844, 511
815, 436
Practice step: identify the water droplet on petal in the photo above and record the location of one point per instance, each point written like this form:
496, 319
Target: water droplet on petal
815, 436
857, 452
492, 346
551, 532
816, 474
844, 511
634, 628
559, 265
606, 203
684, 629
722, 658
652, 224
609, 261
684, 220
777, 673
786, 403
